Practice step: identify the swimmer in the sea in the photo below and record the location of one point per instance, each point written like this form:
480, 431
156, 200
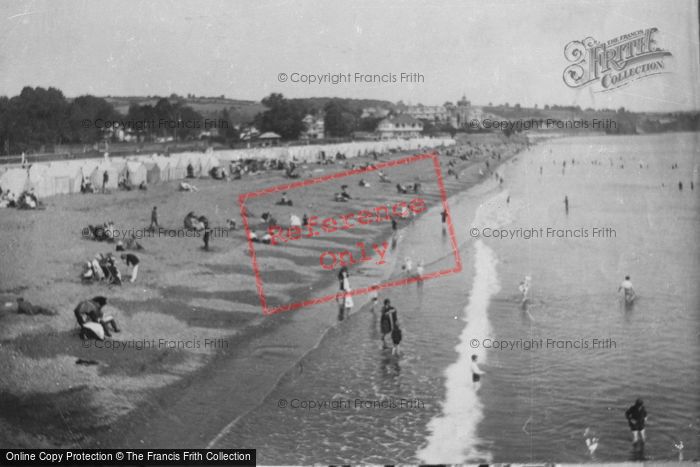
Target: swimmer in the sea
626, 285
591, 441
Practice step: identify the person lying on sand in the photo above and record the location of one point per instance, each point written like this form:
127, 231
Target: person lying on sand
184, 186
26, 308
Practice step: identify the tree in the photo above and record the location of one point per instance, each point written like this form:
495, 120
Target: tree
368, 124
339, 120
229, 133
282, 116
91, 109
34, 118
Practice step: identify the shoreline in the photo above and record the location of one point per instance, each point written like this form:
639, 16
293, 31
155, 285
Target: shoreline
188, 409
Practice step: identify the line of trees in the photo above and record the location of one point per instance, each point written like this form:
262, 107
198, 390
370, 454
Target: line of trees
39, 119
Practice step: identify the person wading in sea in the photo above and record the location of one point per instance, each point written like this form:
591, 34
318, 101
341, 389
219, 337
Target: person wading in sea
636, 418
387, 320
477, 373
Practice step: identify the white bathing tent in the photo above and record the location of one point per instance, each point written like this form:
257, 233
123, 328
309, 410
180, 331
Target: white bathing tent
15, 180
67, 177
136, 172
98, 174
41, 181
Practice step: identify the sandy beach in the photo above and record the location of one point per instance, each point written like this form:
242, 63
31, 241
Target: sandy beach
201, 308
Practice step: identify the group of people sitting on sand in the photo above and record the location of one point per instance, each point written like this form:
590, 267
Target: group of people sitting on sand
26, 200
125, 184
343, 196
284, 201
408, 188
218, 173
86, 186
102, 233
102, 268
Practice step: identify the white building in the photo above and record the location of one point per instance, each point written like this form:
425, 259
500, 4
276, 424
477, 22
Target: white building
436, 113
402, 126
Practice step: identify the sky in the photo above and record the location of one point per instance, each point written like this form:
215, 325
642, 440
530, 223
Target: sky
489, 51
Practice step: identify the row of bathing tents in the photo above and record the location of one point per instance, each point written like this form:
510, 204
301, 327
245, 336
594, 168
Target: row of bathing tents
66, 177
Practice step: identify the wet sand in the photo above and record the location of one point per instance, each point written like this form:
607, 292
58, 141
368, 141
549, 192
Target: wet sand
157, 397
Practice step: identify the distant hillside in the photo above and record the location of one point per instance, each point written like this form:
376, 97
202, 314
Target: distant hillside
355, 105
240, 111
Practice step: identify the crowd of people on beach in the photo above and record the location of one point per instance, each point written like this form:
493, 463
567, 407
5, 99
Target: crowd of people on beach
26, 200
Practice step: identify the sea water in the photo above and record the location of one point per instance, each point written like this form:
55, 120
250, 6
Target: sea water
349, 400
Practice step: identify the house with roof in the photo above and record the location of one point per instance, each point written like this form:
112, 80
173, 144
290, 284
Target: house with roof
314, 127
401, 126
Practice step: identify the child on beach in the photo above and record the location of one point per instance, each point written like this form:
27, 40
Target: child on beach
374, 295
344, 278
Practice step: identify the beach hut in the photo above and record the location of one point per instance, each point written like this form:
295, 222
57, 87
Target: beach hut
177, 168
136, 173
152, 172
97, 175
67, 177
195, 160
41, 181
164, 166
119, 164
207, 162
15, 180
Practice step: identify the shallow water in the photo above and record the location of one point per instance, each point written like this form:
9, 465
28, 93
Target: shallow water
534, 405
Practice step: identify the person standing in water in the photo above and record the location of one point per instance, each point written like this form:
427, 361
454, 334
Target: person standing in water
388, 318
636, 418
566, 204
524, 289
477, 373
626, 285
